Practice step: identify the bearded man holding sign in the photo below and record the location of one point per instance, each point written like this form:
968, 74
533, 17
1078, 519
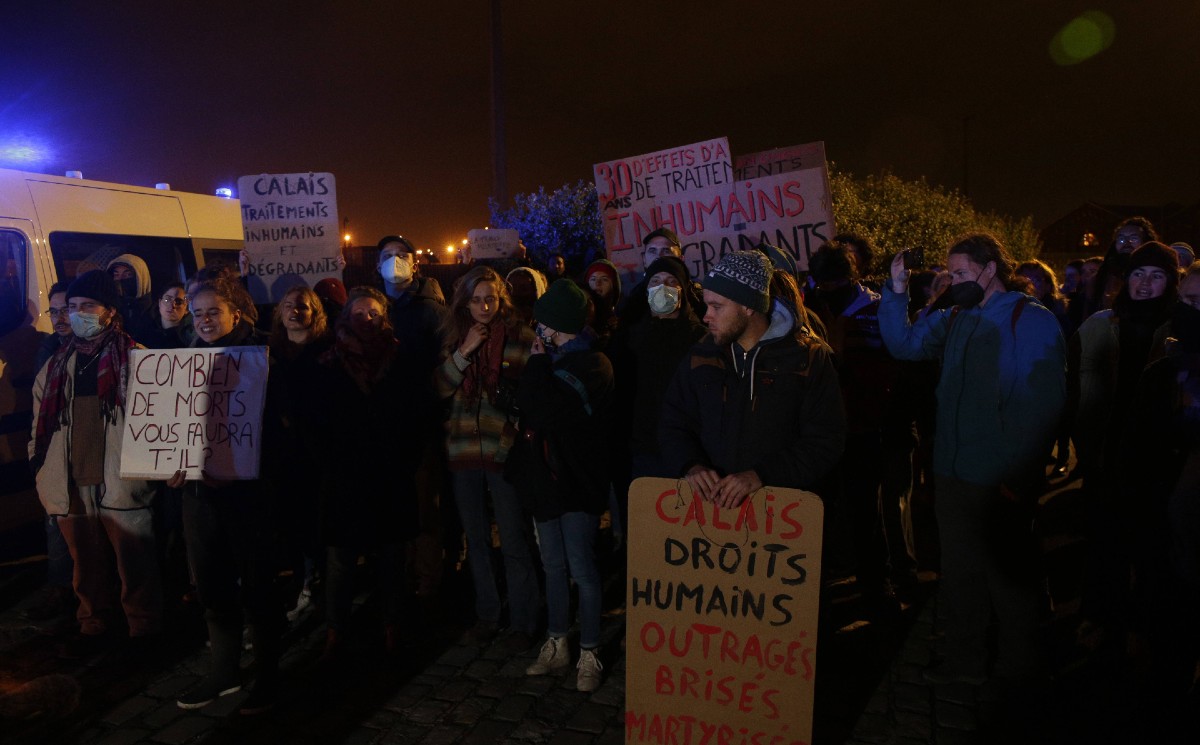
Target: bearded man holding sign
756, 401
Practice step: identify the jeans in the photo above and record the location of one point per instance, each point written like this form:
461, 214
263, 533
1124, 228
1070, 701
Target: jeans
989, 563
569, 542
470, 489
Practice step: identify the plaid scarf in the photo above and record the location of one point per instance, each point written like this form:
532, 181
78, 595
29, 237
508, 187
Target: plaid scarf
483, 376
365, 355
112, 346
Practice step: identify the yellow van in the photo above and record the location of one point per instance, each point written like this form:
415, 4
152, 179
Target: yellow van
56, 227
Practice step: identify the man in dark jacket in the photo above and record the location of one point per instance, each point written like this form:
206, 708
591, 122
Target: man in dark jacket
418, 305
756, 401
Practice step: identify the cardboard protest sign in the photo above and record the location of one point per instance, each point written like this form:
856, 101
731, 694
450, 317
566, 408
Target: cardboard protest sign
492, 243
722, 616
780, 160
787, 191
668, 187
193, 409
718, 206
290, 222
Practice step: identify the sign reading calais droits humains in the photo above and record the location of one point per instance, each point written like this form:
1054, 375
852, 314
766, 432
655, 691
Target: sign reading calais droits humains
715, 203
192, 410
722, 616
290, 223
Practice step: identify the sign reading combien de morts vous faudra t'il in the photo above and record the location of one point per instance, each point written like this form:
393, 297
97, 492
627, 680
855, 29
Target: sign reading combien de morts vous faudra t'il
290, 225
194, 410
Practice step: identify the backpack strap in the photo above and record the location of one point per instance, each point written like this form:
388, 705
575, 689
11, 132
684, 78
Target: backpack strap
577, 384
1017, 310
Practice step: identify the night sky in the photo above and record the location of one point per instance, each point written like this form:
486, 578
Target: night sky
392, 97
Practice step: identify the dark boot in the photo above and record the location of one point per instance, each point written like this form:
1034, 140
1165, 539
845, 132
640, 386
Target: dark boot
268, 646
223, 677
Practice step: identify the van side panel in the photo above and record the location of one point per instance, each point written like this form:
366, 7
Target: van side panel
86, 209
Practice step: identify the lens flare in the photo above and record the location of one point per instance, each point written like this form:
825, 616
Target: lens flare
22, 151
1084, 37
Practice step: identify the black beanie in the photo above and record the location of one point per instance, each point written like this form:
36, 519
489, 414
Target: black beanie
98, 286
672, 265
563, 307
1154, 254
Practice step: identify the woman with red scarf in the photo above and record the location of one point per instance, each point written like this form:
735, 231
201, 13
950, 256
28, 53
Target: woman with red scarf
79, 414
486, 349
371, 428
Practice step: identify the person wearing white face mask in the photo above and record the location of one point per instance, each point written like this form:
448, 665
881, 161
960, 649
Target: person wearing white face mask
644, 355
418, 306
79, 414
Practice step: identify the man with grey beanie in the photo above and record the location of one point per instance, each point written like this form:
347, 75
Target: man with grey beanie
756, 401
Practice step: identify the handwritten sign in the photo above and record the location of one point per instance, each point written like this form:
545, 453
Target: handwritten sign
675, 188
722, 616
290, 224
493, 243
714, 203
790, 204
193, 409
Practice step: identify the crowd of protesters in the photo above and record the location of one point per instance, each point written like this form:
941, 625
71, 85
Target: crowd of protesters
530, 401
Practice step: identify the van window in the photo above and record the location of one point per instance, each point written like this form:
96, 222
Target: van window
221, 257
168, 259
12, 280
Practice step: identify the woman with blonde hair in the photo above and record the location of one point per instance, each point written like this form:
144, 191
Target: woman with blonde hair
485, 351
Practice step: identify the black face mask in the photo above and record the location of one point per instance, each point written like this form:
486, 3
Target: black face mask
128, 287
966, 295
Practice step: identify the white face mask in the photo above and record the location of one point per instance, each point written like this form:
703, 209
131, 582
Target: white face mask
663, 299
397, 271
86, 325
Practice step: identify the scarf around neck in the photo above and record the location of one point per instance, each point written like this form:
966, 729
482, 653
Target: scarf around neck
111, 349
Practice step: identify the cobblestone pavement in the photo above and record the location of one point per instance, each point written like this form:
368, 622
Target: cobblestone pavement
870, 687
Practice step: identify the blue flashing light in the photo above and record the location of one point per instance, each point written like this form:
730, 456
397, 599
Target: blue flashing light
225, 192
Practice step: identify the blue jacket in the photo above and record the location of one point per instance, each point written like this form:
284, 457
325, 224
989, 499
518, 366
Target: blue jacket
1002, 387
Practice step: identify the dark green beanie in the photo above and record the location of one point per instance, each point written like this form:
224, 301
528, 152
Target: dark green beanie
563, 307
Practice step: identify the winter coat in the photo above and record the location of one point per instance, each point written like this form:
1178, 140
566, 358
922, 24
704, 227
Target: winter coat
416, 317
1002, 386
478, 433
782, 418
866, 371
560, 462
371, 445
270, 456
54, 475
644, 356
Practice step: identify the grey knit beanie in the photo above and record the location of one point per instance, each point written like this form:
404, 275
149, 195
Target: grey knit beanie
744, 277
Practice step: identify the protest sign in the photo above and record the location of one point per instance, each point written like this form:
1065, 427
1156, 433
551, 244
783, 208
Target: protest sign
193, 409
492, 243
716, 206
787, 191
722, 616
639, 194
780, 160
290, 223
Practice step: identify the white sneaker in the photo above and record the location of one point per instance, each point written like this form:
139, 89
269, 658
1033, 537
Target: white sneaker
303, 600
589, 667
553, 656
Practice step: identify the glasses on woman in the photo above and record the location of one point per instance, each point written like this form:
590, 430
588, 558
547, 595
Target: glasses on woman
172, 300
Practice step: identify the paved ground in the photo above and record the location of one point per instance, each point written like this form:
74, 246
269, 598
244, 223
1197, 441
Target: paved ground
869, 683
